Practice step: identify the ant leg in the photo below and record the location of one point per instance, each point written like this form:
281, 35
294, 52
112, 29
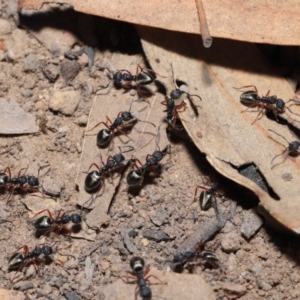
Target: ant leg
151, 283
124, 70
257, 117
199, 247
125, 134
126, 85
93, 164
25, 250
165, 101
148, 70
196, 190
21, 171
104, 123
135, 165
246, 86
47, 210
268, 93
255, 103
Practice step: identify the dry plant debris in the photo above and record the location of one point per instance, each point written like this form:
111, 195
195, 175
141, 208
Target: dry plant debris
222, 132
251, 21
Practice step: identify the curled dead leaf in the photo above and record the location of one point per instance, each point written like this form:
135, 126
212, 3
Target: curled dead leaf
143, 136
252, 21
221, 131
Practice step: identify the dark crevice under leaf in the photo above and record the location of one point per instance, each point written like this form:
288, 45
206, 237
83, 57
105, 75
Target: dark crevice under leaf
252, 172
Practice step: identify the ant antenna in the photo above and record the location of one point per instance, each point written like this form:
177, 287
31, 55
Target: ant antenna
279, 135
279, 155
172, 70
83, 205
291, 111
146, 122
286, 149
137, 118
157, 137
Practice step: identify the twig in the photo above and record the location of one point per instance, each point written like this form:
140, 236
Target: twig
206, 38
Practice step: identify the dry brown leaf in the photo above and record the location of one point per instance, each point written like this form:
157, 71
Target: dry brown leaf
273, 22
143, 134
221, 130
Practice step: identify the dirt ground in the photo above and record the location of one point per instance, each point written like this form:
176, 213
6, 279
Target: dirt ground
255, 261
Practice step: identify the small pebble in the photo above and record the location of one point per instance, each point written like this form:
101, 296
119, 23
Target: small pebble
231, 242
72, 295
233, 289
145, 242
156, 235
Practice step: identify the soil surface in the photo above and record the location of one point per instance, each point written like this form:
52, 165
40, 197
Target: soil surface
154, 222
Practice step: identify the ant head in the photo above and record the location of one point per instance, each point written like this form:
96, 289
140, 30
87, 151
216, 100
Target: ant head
47, 250
280, 104
127, 116
137, 264
294, 146
119, 158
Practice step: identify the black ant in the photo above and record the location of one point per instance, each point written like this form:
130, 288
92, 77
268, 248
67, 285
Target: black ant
25, 183
206, 256
290, 149
46, 224
19, 260
208, 195
140, 277
252, 99
95, 179
135, 177
123, 120
176, 101
142, 77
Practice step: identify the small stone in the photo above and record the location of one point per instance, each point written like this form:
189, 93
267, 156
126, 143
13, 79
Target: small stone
234, 290
72, 295
17, 45
251, 224
127, 242
104, 266
64, 101
158, 217
264, 285
275, 278
256, 269
27, 93
133, 233
31, 63
287, 176
295, 277
27, 286
82, 120
231, 242
60, 259
145, 242
5, 27
156, 235
69, 69
50, 70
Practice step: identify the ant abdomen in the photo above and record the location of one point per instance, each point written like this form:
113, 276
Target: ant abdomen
248, 97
